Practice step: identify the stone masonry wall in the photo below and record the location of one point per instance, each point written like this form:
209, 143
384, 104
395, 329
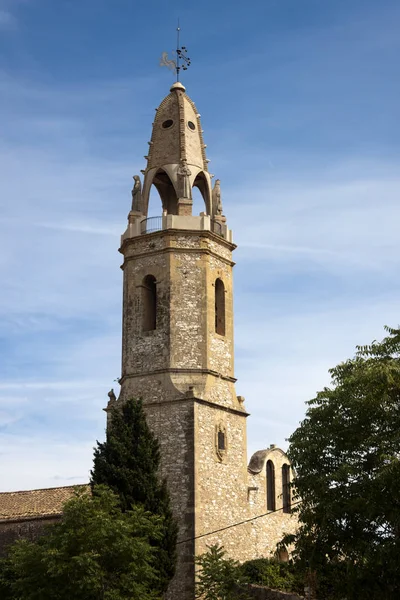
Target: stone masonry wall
193, 141
165, 143
221, 486
269, 530
29, 529
220, 350
139, 345
226, 494
177, 452
184, 372
188, 340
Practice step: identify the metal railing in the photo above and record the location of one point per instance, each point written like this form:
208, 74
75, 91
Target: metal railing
151, 224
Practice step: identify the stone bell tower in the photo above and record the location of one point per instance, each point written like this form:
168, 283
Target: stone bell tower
177, 348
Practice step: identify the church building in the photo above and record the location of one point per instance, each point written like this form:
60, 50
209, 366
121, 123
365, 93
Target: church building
178, 355
178, 352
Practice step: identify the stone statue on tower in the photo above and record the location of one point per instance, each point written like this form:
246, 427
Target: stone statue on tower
137, 194
216, 196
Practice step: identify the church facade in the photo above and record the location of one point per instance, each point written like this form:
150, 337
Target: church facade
178, 356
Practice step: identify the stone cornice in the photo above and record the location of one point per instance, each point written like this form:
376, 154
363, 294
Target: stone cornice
177, 371
176, 250
178, 232
234, 411
195, 400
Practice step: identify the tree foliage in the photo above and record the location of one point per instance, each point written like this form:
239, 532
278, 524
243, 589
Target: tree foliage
346, 459
96, 552
219, 578
273, 573
128, 462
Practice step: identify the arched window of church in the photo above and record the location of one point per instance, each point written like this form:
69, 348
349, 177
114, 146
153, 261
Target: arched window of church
149, 297
286, 488
219, 307
270, 485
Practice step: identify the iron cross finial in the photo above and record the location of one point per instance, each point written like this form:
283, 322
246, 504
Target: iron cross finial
182, 61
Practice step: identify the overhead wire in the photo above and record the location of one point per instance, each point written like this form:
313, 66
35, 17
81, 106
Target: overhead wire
270, 512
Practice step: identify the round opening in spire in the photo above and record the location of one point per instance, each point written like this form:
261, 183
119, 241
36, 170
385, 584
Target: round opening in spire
191, 125
167, 124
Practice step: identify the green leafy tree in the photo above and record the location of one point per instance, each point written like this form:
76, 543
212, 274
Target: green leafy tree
96, 552
128, 462
6, 579
219, 578
272, 573
346, 459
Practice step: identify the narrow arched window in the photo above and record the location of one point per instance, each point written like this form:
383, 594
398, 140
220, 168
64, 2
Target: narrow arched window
219, 307
286, 488
270, 485
149, 297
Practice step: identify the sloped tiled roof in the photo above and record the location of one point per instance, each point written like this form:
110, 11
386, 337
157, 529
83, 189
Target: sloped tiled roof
35, 503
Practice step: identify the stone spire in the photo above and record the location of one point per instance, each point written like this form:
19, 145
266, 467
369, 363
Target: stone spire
177, 160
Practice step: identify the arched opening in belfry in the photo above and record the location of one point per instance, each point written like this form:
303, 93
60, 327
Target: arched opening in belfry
201, 184
149, 303
155, 203
286, 488
219, 307
166, 190
270, 485
198, 202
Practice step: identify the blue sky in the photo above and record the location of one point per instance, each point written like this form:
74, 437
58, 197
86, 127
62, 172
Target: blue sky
299, 104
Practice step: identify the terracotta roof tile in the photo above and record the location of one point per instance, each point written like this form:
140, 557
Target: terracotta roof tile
35, 503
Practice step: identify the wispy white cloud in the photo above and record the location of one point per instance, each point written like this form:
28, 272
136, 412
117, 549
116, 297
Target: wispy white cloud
341, 224
8, 13
7, 19
285, 357
80, 228
45, 385
50, 463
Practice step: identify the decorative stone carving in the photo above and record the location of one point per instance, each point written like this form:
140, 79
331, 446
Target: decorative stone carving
137, 194
216, 197
184, 173
112, 397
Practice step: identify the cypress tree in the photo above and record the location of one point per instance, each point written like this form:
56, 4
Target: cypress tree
128, 463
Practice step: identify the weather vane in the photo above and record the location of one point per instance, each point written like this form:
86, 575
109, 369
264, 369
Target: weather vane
182, 61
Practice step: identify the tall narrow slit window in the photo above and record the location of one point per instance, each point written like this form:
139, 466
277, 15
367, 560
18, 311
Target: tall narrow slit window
219, 307
149, 297
270, 485
221, 441
287, 504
